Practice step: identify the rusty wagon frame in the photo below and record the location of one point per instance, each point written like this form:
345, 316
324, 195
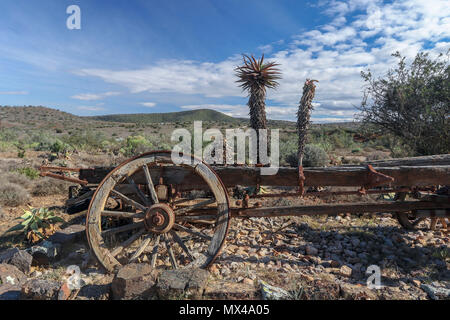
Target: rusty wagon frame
151, 210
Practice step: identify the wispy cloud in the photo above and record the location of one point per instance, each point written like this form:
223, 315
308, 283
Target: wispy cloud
94, 96
148, 104
361, 34
90, 108
13, 92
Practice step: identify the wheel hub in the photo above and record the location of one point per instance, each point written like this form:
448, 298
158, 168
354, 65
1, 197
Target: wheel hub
159, 218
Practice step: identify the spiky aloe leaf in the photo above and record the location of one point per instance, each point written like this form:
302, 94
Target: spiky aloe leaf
17, 227
26, 215
56, 220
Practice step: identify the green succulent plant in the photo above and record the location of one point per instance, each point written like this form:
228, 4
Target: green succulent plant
37, 223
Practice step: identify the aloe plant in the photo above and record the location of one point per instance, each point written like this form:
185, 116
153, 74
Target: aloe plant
36, 223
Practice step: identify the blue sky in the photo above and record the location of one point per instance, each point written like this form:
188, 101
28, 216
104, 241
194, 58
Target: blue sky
160, 56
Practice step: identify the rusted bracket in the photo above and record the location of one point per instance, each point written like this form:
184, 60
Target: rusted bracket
301, 181
374, 179
45, 172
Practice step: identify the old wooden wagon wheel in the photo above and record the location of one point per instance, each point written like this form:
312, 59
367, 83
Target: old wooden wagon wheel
163, 220
412, 221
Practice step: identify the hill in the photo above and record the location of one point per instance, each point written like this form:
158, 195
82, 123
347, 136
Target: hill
170, 117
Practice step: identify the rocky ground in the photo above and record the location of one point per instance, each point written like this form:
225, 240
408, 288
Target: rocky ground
290, 258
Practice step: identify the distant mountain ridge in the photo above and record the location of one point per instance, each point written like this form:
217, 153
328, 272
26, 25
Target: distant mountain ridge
29, 115
169, 117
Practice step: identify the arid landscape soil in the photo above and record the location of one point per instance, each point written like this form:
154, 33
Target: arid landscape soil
323, 257
310, 257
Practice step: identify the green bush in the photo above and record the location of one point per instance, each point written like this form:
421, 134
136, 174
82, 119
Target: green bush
314, 156
13, 195
29, 172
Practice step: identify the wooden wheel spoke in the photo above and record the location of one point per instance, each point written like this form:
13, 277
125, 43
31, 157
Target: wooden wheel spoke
170, 252
124, 228
137, 205
141, 248
193, 232
195, 218
121, 214
194, 206
127, 243
155, 251
181, 243
150, 184
138, 191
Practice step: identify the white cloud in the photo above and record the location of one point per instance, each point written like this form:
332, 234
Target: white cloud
361, 34
185, 77
94, 96
148, 104
90, 108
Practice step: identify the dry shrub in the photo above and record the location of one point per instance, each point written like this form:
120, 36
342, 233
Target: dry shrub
49, 186
378, 155
7, 165
16, 178
13, 195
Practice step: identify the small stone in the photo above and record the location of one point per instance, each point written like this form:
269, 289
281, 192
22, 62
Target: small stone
335, 264
40, 289
307, 277
416, 282
311, 251
345, 271
214, 270
248, 281
19, 258
355, 242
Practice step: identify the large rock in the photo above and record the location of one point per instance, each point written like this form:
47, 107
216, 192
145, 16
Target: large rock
11, 275
44, 253
19, 258
345, 271
135, 280
436, 291
40, 289
182, 283
273, 293
69, 235
9, 292
95, 292
226, 290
